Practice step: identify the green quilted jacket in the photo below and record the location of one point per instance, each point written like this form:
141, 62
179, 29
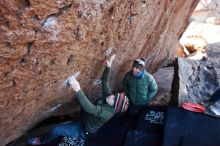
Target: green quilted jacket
139, 90
96, 115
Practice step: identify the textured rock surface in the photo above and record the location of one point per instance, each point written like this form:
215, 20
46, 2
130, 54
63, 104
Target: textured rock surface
195, 81
214, 50
43, 42
164, 78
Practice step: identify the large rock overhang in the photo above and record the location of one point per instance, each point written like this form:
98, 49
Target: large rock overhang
42, 43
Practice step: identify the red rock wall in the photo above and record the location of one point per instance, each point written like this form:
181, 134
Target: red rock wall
44, 42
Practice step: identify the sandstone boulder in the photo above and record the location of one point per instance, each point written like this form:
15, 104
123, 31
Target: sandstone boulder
42, 43
181, 50
195, 43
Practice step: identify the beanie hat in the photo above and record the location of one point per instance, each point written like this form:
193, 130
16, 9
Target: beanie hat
139, 63
121, 102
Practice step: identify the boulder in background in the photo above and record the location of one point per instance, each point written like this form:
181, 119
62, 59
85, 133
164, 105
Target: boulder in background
195, 80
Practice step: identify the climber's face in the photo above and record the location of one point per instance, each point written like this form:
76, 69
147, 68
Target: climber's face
136, 70
110, 100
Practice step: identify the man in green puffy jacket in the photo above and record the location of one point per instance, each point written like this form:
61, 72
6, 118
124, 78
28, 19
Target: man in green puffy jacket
94, 115
139, 86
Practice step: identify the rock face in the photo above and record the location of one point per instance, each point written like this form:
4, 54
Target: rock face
164, 78
195, 43
214, 50
195, 81
42, 43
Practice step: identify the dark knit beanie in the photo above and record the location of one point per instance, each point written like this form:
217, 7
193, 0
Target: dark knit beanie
139, 63
121, 102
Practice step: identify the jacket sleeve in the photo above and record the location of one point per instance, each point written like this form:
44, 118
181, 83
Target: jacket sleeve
152, 88
89, 107
105, 82
125, 84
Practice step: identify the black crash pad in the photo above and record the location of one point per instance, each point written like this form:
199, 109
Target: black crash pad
65, 141
149, 128
186, 128
113, 133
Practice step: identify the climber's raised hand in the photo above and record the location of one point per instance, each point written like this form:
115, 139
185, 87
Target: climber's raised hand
74, 84
109, 61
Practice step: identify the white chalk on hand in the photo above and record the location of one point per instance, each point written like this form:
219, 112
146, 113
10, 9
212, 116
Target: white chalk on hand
109, 51
109, 62
66, 82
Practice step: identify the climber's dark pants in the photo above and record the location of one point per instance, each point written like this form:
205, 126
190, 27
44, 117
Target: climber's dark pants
70, 129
